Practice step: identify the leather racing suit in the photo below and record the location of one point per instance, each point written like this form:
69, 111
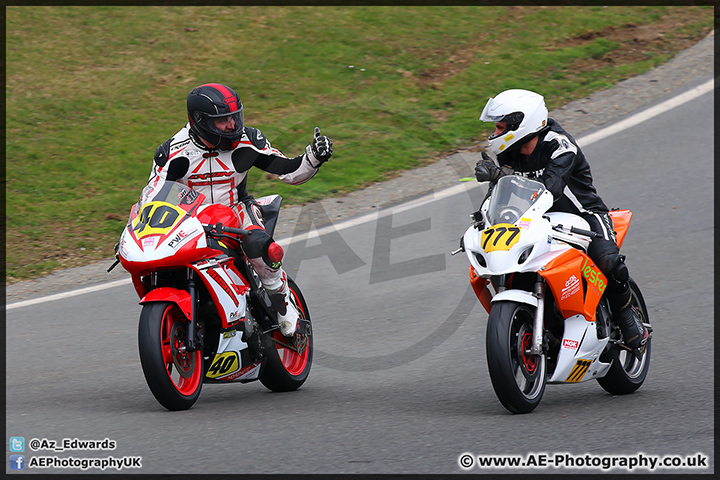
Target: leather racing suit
221, 175
560, 165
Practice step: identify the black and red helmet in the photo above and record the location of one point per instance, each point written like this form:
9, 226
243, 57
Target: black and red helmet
209, 102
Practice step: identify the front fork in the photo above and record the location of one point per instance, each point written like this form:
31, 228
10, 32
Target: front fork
194, 338
539, 293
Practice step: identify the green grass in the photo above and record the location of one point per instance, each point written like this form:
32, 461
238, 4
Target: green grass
92, 91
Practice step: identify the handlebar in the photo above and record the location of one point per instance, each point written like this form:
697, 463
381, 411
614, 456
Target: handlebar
579, 231
219, 230
587, 233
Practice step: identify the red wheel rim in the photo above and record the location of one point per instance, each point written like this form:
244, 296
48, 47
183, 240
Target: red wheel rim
182, 367
529, 361
293, 362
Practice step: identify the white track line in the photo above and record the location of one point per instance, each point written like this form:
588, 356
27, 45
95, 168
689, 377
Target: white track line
59, 296
448, 192
648, 114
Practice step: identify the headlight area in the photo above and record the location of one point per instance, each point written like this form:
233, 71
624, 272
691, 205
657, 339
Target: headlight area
525, 254
481, 260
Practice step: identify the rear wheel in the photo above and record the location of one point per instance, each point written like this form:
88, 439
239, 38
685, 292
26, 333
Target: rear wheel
288, 360
173, 374
627, 373
518, 377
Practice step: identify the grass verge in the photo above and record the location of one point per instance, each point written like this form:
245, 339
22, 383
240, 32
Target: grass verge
92, 91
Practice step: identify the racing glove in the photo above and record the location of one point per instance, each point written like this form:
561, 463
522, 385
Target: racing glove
486, 170
320, 149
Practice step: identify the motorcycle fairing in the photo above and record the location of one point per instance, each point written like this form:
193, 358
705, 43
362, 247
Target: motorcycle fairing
568, 220
270, 206
226, 286
578, 359
232, 361
244, 374
621, 220
165, 235
480, 287
171, 239
575, 282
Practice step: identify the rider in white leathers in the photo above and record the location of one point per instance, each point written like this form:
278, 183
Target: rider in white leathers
212, 154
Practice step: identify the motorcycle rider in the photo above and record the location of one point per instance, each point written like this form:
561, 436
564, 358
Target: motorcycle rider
212, 154
527, 142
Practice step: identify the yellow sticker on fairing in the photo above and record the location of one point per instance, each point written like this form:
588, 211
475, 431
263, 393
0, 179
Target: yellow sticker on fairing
579, 370
156, 218
499, 237
223, 364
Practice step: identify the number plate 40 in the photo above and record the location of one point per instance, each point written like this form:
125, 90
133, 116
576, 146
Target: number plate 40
500, 237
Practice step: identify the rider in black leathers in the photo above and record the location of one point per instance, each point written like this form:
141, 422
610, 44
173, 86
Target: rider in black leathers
527, 142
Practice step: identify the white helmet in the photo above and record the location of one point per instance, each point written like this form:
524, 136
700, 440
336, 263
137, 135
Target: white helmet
524, 112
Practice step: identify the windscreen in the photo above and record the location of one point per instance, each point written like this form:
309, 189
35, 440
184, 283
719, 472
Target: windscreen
512, 196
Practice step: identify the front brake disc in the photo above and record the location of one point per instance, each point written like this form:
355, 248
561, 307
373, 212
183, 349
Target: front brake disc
182, 359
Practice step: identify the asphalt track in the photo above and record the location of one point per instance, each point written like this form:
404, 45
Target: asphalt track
399, 383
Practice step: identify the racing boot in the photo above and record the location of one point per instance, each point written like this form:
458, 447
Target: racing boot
272, 275
634, 332
287, 313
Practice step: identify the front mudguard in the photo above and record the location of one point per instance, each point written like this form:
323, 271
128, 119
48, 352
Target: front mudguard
519, 296
181, 298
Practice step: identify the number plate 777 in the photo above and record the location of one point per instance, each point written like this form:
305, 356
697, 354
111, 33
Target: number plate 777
499, 237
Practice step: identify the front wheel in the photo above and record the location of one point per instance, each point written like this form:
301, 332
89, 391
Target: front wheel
627, 372
518, 377
173, 374
288, 360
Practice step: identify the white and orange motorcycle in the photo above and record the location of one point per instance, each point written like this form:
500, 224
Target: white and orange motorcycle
549, 321
205, 314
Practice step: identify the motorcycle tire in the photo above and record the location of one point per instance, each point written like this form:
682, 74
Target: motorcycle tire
173, 374
518, 378
284, 370
627, 373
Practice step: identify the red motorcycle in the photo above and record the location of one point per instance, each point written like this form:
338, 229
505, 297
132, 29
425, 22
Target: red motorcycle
205, 314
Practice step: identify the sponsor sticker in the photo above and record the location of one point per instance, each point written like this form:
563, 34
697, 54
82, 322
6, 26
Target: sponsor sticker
223, 284
245, 372
593, 275
570, 344
179, 146
149, 242
180, 237
572, 286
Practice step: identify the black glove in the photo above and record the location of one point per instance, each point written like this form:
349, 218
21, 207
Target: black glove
321, 147
486, 170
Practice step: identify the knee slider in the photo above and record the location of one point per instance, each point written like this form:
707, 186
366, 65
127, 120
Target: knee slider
274, 255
